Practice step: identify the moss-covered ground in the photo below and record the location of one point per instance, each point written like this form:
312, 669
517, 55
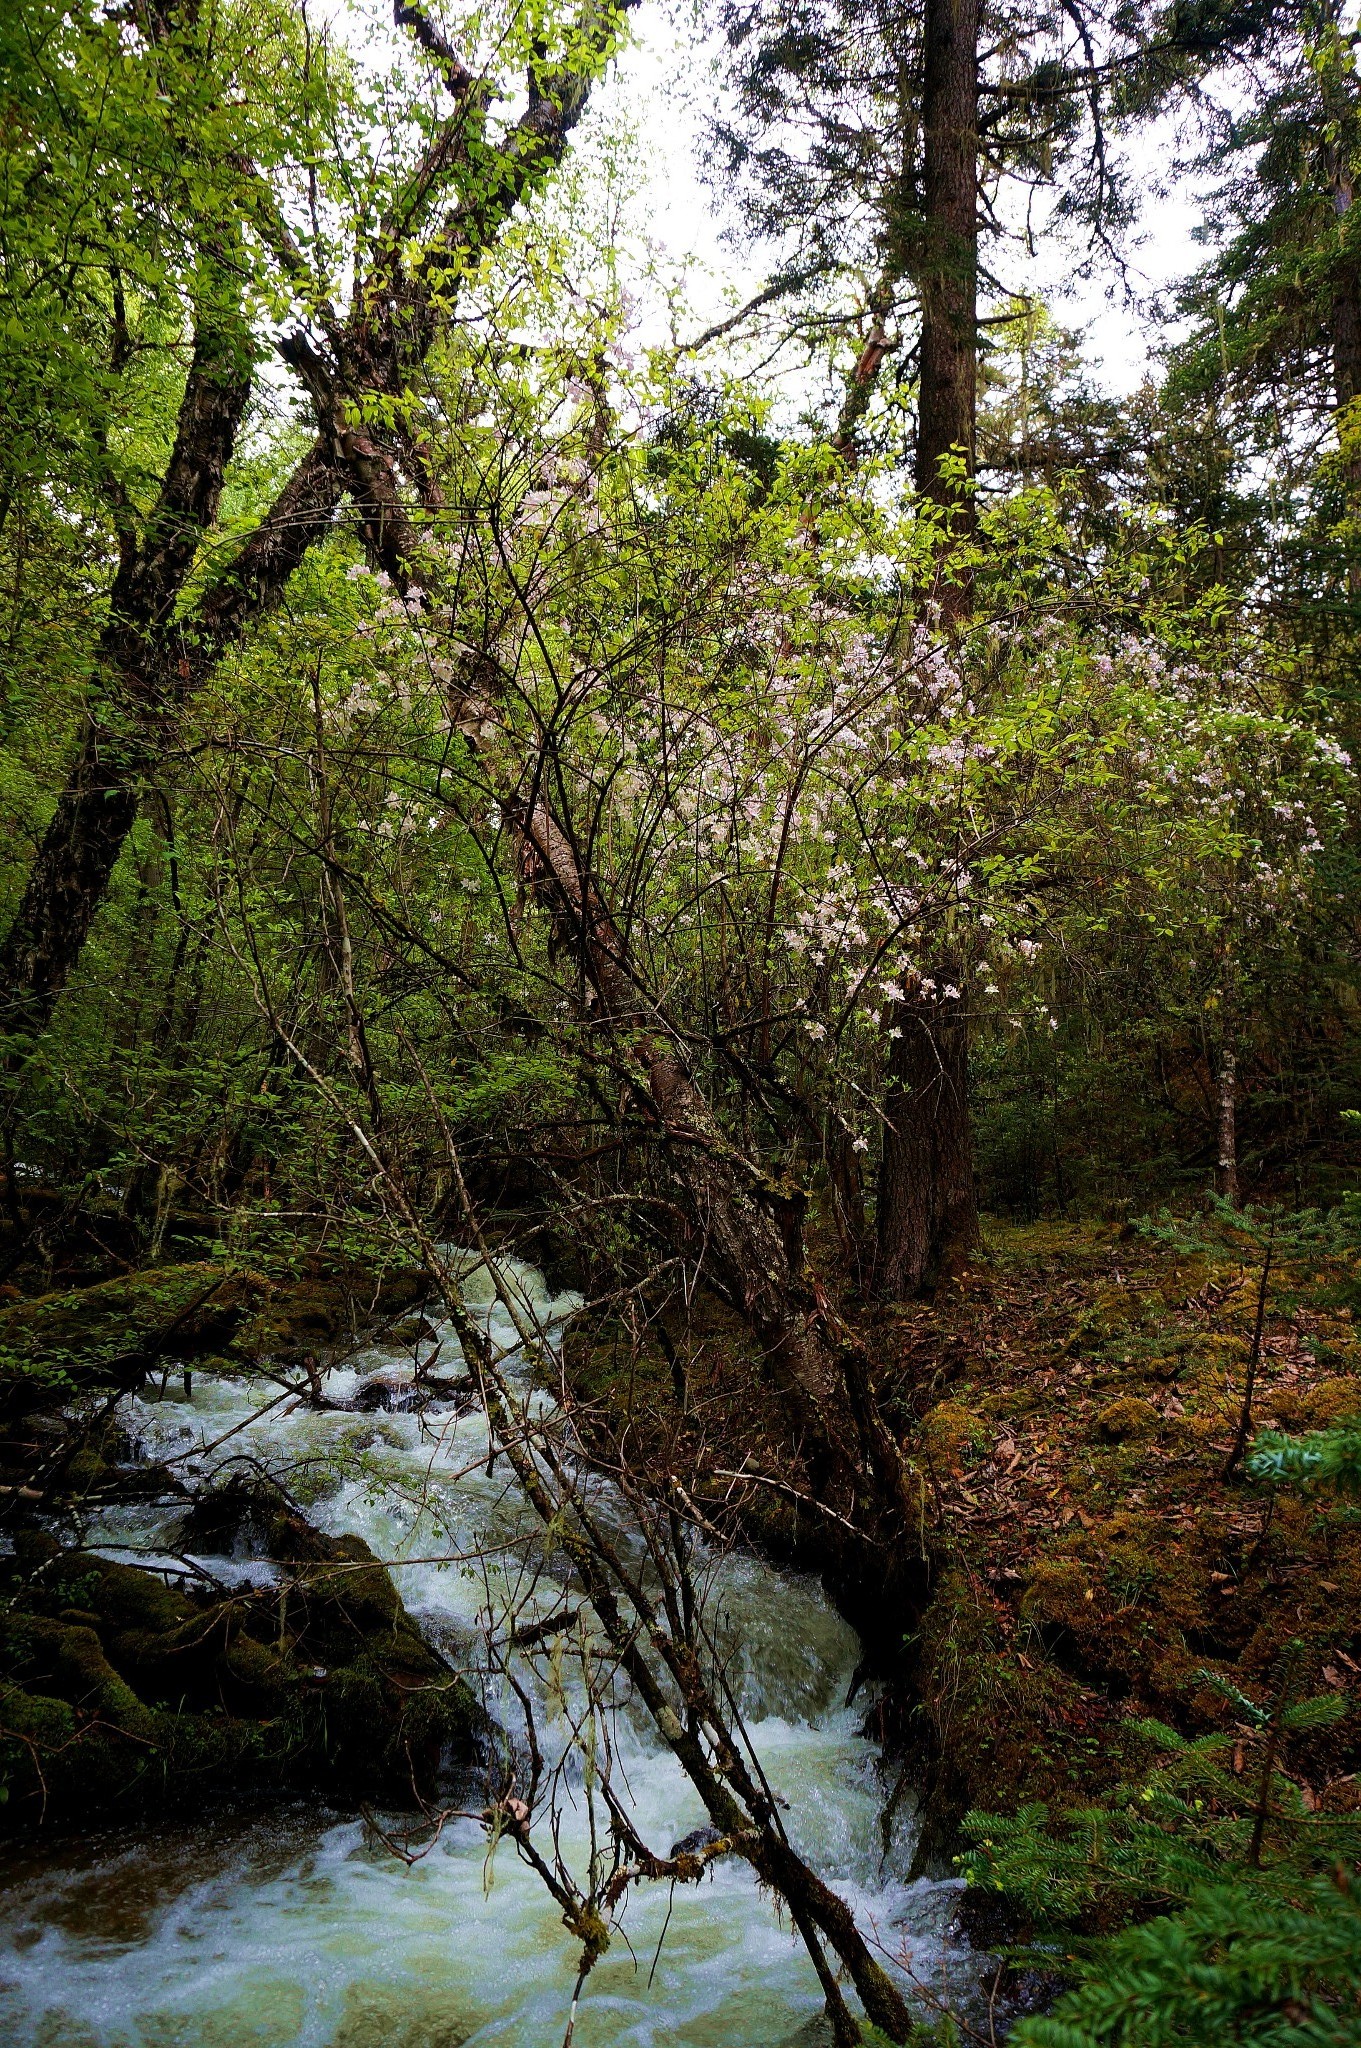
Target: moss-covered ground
1070, 1403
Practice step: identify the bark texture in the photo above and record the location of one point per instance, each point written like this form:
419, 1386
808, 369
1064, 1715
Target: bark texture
141, 665
926, 1216
1227, 1176
1344, 315
948, 272
743, 1246
1346, 339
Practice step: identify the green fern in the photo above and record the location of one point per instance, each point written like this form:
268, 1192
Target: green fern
1240, 1964
1326, 1457
1231, 1947
1158, 1840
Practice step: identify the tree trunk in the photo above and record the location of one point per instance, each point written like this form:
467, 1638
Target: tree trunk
948, 273
744, 1248
139, 666
1345, 324
1227, 1176
1346, 339
1344, 317
848, 1200
157, 668
804, 1347
927, 1215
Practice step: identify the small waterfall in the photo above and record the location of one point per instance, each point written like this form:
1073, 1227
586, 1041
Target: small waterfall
297, 1930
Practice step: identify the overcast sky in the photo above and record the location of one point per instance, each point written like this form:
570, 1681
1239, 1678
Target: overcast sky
682, 212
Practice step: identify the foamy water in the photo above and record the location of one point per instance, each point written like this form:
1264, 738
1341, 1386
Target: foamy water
297, 1928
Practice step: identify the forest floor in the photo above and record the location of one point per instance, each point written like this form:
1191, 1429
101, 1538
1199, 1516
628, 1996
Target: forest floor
1073, 1400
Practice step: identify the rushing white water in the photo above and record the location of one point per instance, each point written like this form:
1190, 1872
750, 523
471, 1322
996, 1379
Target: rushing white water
300, 1929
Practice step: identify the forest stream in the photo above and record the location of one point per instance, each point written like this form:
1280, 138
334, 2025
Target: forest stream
298, 1926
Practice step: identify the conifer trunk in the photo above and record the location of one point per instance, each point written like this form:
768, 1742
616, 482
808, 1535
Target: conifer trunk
1344, 316
1345, 323
1346, 339
948, 276
926, 1217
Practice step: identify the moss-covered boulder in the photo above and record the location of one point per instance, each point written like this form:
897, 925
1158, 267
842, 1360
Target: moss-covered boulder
951, 1435
1059, 1592
115, 1333
120, 1693
320, 1312
1127, 1419
1333, 1400
89, 1339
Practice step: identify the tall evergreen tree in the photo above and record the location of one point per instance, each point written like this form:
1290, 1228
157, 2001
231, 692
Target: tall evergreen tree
869, 134
1275, 351
875, 147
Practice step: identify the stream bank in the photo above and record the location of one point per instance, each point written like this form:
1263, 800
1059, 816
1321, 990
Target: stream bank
1079, 1557
129, 1691
1072, 1404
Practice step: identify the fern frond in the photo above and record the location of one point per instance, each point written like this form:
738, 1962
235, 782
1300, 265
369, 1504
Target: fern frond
1241, 1966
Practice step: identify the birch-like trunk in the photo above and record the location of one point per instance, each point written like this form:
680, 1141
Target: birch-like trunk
1226, 1177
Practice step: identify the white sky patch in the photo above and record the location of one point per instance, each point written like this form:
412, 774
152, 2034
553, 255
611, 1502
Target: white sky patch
661, 89
686, 219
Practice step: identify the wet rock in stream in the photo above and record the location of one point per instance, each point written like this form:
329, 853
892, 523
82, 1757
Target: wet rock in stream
120, 1692
391, 1393
396, 1393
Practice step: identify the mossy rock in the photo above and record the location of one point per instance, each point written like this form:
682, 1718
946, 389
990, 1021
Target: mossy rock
1212, 1350
1172, 1673
309, 1318
1059, 1592
1112, 1315
147, 1695
951, 1434
322, 1311
1334, 1400
85, 1471
413, 1330
1128, 1418
70, 1657
1200, 1427
88, 1339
